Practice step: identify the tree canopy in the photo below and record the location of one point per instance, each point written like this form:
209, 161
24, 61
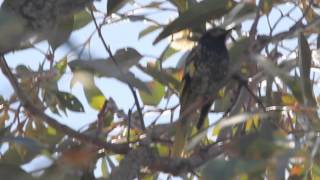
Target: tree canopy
263, 124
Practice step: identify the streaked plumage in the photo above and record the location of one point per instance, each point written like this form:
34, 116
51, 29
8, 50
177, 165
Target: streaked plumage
205, 72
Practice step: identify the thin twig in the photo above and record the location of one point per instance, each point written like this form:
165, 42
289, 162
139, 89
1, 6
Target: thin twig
121, 72
253, 30
129, 125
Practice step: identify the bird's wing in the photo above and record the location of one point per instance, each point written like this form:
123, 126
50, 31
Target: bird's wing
187, 78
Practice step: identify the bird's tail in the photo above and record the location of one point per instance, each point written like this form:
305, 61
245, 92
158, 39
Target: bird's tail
180, 139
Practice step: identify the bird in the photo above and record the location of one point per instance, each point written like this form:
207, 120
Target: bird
205, 73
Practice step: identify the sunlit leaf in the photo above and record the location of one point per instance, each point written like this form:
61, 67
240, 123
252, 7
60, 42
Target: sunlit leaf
162, 150
148, 30
52, 131
93, 94
104, 167
167, 53
216, 131
288, 100
81, 19
252, 122
157, 92
61, 65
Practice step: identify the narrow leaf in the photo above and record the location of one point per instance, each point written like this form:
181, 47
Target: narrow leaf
69, 101
305, 66
148, 30
81, 19
114, 5
195, 15
157, 92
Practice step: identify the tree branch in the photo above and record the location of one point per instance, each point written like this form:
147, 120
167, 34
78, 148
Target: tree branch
36, 112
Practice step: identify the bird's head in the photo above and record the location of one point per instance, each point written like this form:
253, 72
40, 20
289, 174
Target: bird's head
214, 37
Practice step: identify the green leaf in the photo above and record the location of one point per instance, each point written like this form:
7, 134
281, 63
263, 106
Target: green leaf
81, 19
125, 59
305, 66
157, 92
93, 94
104, 168
148, 30
167, 53
69, 101
161, 76
115, 5
61, 65
195, 15
182, 5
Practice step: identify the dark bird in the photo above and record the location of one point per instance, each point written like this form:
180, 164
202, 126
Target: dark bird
206, 71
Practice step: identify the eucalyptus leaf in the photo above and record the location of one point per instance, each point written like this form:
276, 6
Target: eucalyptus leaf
205, 10
114, 5
305, 66
148, 30
157, 93
81, 19
125, 59
69, 101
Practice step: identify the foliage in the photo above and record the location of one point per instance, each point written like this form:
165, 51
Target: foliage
263, 125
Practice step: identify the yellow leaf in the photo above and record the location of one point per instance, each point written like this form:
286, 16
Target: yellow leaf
256, 120
97, 101
288, 100
253, 121
52, 131
221, 93
162, 150
216, 130
249, 124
